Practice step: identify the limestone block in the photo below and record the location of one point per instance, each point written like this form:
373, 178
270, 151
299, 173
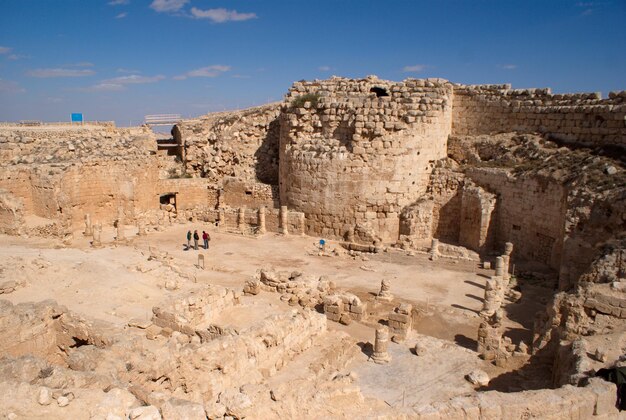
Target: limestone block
478, 377
177, 409
149, 412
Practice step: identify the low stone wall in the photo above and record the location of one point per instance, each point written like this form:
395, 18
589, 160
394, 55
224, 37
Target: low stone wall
577, 118
193, 313
569, 402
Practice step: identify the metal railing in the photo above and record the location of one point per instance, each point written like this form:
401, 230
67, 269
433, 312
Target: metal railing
162, 119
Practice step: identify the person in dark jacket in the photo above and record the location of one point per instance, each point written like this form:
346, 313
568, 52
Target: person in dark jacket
188, 239
196, 238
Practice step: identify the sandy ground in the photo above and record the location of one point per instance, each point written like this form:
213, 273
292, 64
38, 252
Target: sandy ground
118, 282
108, 284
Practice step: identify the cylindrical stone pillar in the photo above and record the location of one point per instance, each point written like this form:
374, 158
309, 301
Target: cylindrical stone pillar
88, 227
220, 199
301, 224
222, 219
506, 260
97, 231
119, 224
380, 346
241, 219
261, 220
141, 227
284, 213
434, 249
499, 266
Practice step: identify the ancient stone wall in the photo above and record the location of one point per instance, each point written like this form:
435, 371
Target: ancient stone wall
358, 151
477, 206
240, 193
530, 212
445, 188
11, 213
577, 118
242, 144
64, 172
568, 402
190, 192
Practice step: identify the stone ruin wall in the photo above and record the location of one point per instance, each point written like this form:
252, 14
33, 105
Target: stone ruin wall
61, 173
357, 158
350, 157
529, 212
582, 118
241, 144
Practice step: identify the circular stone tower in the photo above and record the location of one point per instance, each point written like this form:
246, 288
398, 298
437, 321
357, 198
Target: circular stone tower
354, 153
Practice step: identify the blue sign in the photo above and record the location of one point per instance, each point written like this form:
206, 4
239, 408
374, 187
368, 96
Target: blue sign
77, 117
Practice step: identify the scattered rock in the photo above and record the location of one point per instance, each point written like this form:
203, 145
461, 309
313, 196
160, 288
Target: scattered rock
478, 377
149, 412
600, 355
44, 397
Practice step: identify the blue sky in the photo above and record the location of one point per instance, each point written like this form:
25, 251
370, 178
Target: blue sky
121, 59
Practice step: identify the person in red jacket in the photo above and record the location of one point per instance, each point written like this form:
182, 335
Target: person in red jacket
206, 238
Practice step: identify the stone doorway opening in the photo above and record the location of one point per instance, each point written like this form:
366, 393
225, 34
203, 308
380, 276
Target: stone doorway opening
168, 199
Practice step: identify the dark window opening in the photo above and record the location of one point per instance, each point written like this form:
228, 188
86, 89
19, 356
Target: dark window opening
166, 199
517, 227
379, 91
248, 192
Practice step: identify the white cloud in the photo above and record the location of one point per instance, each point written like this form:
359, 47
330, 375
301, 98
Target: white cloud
240, 76
162, 6
45, 73
121, 15
209, 71
417, 68
16, 57
4, 50
127, 71
9, 86
104, 87
133, 79
221, 15
82, 64
509, 66
118, 2
324, 68
117, 84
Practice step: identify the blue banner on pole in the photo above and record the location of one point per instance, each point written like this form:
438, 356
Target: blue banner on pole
77, 117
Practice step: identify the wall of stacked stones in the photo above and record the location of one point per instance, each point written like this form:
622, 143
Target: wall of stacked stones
241, 193
352, 157
130, 186
64, 172
578, 118
530, 212
11, 213
445, 188
190, 192
251, 219
242, 144
596, 400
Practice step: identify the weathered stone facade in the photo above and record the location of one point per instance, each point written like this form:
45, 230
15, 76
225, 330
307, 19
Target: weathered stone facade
361, 151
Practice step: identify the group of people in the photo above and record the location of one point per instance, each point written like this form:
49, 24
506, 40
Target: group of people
196, 237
